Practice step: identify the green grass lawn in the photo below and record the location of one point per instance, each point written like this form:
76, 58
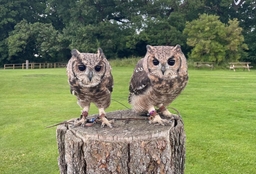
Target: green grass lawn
218, 108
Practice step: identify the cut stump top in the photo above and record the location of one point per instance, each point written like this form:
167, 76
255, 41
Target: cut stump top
125, 130
131, 146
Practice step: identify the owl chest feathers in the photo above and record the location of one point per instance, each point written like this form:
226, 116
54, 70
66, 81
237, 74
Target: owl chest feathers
161, 86
164, 91
143, 80
152, 89
97, 93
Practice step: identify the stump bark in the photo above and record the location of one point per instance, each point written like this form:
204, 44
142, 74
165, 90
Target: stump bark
131, 146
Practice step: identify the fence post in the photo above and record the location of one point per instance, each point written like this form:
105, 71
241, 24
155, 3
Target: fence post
27, 62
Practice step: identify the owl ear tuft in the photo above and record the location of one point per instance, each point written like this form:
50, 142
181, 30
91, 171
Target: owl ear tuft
75, 53
100, 53
177, 48
150, 49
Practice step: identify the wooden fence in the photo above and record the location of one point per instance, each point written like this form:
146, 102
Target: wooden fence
35, 65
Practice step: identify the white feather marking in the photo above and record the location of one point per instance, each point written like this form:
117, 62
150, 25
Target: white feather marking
141, 87
73, 92
139, 69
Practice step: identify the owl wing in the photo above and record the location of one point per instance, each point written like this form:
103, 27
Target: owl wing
139, 81
75, 89
109, 82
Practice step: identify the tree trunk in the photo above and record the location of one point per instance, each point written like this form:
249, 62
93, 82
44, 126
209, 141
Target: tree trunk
131, 146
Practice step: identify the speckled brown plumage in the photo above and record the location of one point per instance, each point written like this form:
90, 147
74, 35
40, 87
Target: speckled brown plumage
157, 80
91, 81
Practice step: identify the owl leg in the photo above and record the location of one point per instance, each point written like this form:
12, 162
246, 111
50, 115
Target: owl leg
164, 111
155, 117
103, 119
84, 114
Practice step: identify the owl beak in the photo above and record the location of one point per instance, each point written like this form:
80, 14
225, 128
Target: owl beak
90, 75
163, 69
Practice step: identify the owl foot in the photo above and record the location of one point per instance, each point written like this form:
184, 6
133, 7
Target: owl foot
82, 121
155, 118
163, 111
105, 121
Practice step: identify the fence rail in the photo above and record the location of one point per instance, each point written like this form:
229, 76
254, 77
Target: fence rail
35, 65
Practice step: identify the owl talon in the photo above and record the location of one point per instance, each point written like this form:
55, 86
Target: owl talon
81, 122
157, 119
105, 121
167, 113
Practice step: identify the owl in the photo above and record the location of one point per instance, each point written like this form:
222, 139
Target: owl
91, 81
157, 80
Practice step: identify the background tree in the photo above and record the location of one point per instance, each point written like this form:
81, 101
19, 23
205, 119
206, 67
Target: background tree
162, 24
243, 10
92, 24
46, 30
37, 42
12, 13
213, 40
163, 32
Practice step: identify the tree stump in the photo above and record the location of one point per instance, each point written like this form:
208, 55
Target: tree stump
131, 146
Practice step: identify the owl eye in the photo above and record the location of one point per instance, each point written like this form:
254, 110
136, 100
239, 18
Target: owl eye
81, 67
97, 68
171, 61
155, 61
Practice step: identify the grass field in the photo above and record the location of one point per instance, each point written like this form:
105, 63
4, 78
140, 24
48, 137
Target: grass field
218, 108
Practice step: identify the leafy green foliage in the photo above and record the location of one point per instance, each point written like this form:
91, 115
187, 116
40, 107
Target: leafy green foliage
164, 31
41, 41
243, 11
214, 41
11, 14
120, 28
